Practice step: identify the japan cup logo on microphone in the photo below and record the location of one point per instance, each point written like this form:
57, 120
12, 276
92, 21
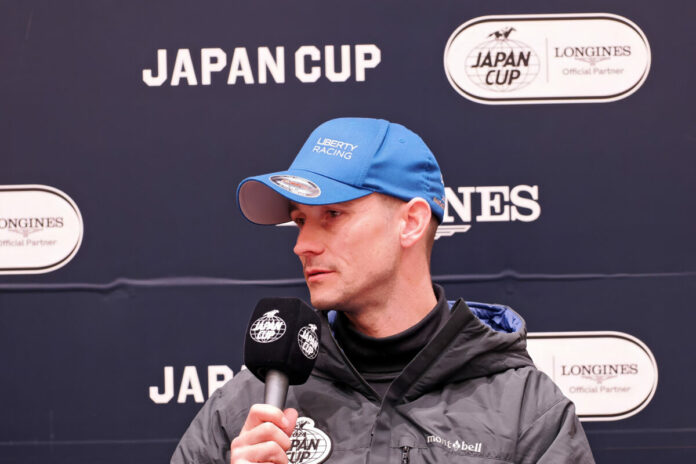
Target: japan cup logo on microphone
268, 328
283, 336
308, 341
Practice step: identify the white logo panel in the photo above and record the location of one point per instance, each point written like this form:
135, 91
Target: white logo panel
40, 229
569, 58
608, 375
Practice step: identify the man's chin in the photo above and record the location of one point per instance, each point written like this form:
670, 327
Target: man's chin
323, 302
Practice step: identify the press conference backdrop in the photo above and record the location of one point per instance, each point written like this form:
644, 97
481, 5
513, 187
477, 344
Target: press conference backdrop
565, 132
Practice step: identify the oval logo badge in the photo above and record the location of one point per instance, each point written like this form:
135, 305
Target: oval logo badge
556, 58
297, 185
608, 375
40, 229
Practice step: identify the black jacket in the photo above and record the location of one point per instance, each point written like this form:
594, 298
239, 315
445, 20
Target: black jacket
472, 395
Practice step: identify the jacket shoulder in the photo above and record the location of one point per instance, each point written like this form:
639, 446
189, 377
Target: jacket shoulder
549, 429
540, 393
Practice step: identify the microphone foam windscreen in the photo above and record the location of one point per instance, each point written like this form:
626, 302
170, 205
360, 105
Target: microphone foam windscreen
283, 334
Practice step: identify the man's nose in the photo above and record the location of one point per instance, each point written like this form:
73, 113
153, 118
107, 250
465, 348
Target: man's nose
308, 241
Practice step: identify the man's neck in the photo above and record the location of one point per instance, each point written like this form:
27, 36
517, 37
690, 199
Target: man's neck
399, 308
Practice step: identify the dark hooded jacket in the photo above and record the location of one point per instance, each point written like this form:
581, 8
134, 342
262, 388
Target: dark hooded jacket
471, 395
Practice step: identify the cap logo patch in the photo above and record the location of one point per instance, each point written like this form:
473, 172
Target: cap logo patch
333, 147
297, 185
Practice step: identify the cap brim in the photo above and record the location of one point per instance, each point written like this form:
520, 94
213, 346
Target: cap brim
265, 199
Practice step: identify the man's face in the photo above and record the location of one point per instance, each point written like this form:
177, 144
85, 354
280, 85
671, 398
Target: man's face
349, 251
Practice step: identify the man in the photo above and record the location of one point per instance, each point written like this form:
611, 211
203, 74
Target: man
402, 374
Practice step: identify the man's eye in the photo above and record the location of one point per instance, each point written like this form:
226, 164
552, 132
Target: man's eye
334, 213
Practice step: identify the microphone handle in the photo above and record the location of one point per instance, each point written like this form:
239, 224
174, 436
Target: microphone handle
276, 388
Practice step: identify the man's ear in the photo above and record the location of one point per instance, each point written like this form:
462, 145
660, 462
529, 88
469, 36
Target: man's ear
415, 218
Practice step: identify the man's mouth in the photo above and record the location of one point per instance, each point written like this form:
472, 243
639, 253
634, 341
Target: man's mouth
314, 274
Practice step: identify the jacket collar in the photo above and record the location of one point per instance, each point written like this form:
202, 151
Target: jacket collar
478, 340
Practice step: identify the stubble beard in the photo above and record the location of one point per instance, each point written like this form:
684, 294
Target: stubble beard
353, 299
326, 299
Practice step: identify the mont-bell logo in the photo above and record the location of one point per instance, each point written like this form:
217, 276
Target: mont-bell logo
455, 445
502, 63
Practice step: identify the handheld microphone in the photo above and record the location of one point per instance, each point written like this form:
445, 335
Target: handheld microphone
281, 345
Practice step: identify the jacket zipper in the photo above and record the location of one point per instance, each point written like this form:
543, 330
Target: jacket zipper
405, 450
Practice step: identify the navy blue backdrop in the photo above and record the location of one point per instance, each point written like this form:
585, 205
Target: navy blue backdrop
168, 271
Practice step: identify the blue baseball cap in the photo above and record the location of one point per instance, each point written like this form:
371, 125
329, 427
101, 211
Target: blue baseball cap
344, 159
